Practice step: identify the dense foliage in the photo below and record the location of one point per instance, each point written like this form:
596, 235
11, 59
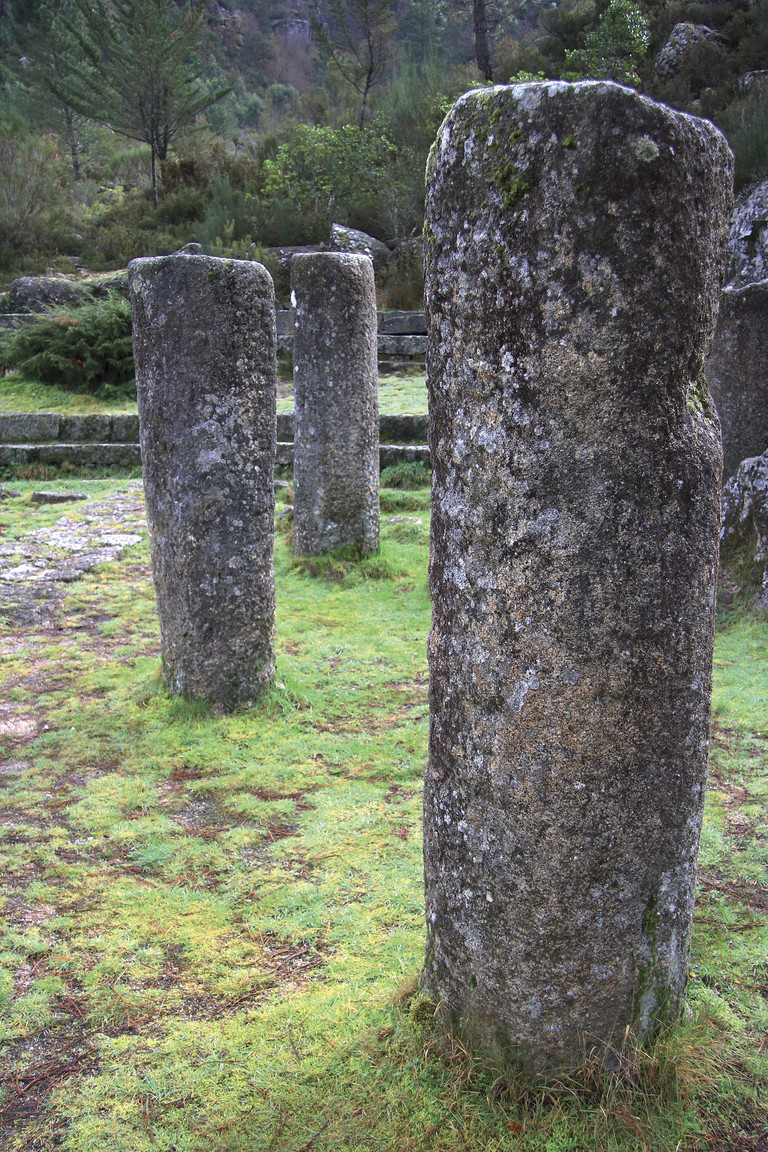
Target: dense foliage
87, 349
330, 110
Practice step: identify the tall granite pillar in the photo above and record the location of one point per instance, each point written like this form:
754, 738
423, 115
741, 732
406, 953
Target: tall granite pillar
575, 241
737, 373
336, 429
206, 374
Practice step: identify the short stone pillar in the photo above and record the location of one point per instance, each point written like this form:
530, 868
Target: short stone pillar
575, 239
737, 373
206, 375
335, 383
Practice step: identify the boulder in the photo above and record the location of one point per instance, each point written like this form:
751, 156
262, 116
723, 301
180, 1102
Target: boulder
285, 255
737, 372
753, 83
748, 240
682, 41
351, 240
39, 293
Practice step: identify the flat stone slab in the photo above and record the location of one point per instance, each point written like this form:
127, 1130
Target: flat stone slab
403, 323
35, 568
57, 497
95, 455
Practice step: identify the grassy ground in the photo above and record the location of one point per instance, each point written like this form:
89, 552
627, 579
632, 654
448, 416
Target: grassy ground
213, 925
397, 395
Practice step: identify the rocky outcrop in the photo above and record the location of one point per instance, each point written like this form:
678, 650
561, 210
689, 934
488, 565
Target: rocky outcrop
744, 534
39, 293
737, 373
345, 239
748, 240
682, 42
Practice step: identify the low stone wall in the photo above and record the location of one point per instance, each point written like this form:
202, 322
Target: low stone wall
98, 441
83, 455
90, 428
401, 338
407, 429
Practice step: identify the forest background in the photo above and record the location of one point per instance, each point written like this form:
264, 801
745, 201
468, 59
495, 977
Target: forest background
292, 115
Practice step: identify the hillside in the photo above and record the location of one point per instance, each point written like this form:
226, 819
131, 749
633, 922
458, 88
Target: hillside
300, 114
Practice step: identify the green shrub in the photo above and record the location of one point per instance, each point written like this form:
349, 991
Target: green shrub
227, 215
84, 349
409, 474
35, 200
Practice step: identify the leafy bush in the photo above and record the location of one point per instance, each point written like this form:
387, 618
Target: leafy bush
84, 349
329, 173
614, 49
409, 474
34, 190
127, 227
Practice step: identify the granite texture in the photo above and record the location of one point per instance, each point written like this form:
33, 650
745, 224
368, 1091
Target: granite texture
575, 244
206, 375
737, 373
336, 422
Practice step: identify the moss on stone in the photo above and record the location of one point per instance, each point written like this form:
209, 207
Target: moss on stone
511, 183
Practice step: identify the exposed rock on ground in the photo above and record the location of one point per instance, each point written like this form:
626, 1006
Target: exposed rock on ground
737, 373
35, 569
345, 239
38, 293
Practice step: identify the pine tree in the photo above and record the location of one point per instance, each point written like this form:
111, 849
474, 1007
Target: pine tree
129, 64
358, 40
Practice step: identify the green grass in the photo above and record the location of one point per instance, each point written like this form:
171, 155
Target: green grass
17, 395
213, 925
397, 395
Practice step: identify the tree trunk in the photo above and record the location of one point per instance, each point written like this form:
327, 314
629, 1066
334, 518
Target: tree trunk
482, 48
74, 143
154, 176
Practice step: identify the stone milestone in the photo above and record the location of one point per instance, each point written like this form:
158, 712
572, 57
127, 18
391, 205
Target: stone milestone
206, 375
575, 241
336, 430
737, 373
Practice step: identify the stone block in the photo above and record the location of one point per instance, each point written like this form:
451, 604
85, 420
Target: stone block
737, 373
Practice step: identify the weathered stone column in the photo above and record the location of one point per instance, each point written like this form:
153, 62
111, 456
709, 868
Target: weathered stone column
737, 373
206, 375
336, 431
575, 242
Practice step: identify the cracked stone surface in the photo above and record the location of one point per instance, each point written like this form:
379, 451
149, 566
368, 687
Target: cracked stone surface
35, 569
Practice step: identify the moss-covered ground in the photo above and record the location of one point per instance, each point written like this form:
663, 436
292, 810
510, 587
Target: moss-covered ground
212, 925
397, 395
